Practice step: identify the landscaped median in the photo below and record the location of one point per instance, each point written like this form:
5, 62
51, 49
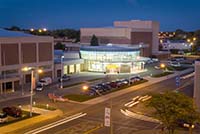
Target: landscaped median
84, 97
26, 122
162, 74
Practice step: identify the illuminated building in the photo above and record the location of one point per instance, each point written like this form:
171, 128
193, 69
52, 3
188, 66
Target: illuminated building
112, 59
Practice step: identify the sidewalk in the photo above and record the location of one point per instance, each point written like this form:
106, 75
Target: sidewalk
13, 95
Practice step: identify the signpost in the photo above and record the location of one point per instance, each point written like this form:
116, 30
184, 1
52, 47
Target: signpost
107, 117
177, 81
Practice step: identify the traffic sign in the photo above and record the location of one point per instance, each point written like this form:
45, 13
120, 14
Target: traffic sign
107, 117
177, 81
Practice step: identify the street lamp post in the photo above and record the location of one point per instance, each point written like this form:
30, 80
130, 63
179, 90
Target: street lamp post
31, 97
61, 80
25, 69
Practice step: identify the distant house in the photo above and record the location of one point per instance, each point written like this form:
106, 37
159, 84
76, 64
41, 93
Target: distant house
176, 44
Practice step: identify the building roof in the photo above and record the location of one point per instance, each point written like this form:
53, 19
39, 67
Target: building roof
109, 48
6, 33
58, 52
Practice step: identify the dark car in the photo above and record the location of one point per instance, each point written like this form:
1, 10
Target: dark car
99, 88
135, 78
183, 123
12, 111
120, 83
106, 86
3, 117
64, 78
113, 84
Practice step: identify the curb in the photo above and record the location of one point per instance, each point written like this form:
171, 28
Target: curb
12, 98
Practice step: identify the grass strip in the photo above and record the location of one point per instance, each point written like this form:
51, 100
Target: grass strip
162, 74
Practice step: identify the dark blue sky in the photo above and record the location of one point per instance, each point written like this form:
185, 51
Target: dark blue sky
171, 14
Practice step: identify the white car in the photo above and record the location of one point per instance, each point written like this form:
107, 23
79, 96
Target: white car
39, 88
45, 81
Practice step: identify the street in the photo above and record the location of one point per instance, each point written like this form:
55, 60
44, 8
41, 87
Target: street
121, 123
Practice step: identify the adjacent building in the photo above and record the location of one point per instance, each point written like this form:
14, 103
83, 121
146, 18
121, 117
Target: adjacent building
67, 62
132, 32
196, 94
20, 50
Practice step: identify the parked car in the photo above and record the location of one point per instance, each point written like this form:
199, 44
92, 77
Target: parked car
100, 87
125, 81
3, 117
39, 87
122, 82
175, 64
64, 78
106, 86
113, 84
135, 79
45, 81
183, 123
12, 111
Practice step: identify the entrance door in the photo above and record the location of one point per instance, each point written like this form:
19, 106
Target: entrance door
112, 68
28, 78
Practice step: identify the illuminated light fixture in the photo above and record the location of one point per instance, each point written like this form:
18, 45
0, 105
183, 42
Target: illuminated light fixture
188, 40
44, 29
31, 29
25, 69
39, 30
40, 71
162, 65
85, 88
138, 57
109, 44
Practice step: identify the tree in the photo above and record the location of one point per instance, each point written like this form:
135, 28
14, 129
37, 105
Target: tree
94, 41
59, 46
171, 107
13, 28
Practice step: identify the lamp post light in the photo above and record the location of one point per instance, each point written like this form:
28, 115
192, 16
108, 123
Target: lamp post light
26, 69
61, 74
85, 88
162, 65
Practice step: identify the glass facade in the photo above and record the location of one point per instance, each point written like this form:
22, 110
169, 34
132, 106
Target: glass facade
111, 59
109, 56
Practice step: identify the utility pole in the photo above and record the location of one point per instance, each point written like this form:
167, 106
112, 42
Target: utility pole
31, 95
111, 124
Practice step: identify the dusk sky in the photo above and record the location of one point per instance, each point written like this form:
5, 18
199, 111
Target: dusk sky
171, 14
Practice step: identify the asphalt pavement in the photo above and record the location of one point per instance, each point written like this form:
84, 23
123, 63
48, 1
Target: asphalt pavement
121, 123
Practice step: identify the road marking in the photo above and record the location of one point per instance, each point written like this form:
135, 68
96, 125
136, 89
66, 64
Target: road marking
57, 123
139, 116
